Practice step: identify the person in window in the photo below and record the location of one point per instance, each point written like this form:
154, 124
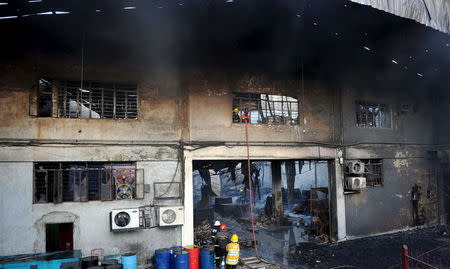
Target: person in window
236, 117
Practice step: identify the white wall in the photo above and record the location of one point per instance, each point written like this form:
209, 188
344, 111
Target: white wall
16, 217
22, 223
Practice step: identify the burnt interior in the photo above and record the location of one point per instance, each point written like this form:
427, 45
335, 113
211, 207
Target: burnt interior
335, 41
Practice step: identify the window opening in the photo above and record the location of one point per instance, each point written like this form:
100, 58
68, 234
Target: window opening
58, 237
373, 172
266, 109
65, 99
44, 98
80, 182
372, 115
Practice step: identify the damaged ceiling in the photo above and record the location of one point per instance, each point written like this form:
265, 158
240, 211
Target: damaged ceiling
334, 40
433, 13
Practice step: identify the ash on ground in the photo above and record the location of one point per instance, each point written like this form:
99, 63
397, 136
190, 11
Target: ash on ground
378, 252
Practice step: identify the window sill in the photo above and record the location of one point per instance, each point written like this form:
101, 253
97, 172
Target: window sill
61, 118
375, 128
265, 124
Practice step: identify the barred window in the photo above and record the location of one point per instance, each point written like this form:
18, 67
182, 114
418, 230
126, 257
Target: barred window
372, 115
265, 109
56, 182
373, 172
66, 99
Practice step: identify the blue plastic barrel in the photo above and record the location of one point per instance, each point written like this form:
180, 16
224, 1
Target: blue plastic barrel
113, 257
173, 250
181, 260
129, 260
162, 258
207, 258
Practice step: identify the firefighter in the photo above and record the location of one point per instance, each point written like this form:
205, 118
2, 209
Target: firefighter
236, 117
214, 230
232, 252
222, 238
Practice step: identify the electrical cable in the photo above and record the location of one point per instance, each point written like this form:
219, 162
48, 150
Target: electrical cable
82, 62
250, 188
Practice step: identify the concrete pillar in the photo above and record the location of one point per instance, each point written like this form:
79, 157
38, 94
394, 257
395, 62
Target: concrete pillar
187, 230
276, 188
337, 200
290, 178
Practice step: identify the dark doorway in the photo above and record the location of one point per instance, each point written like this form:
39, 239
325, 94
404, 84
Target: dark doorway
290, 203
58, 236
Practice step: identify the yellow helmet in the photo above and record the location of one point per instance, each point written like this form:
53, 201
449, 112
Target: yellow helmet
234, 238
236, 110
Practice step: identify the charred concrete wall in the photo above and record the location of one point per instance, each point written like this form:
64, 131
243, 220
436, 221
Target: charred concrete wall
389, 207
158, 117
84, 140
411, 117
210, 105
194, 107
443, 136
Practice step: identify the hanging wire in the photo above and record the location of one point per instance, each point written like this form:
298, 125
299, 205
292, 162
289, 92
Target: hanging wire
82, 60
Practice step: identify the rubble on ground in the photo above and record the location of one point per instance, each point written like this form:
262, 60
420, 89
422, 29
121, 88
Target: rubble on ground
202, 234
375, 252
263, 220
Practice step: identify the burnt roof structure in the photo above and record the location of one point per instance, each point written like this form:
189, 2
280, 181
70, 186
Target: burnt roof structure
323, 40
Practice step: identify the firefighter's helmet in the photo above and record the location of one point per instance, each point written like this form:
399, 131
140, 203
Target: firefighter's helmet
234, 238
223, 227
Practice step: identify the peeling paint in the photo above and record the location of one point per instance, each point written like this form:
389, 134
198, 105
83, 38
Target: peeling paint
216, 92
401, 160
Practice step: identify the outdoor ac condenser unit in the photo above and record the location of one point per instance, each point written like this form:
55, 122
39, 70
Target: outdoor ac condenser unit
124, 219
354, 167
355, 183
170, 215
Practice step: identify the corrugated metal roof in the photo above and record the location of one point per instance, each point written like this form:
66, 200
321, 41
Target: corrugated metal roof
433, 13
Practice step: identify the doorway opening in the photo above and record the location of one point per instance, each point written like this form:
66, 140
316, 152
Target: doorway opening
58, 236
291, 202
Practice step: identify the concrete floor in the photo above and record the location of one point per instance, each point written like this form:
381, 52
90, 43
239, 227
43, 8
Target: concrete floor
378, 252
290, 247
275, 243
286, 247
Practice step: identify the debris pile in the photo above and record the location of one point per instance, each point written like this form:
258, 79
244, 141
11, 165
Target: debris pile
202, 234
245, 242
263, 221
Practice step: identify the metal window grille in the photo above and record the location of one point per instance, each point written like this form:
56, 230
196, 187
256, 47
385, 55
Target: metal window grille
44, 100
372, 115
79, 182
266, 108
94, 101
374, 172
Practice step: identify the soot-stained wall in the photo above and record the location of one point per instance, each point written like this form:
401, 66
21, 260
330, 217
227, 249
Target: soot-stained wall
389, 207
195, 107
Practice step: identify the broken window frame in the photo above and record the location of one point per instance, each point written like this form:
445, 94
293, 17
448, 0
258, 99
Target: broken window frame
373, 172
373, 115
58, 183
265, 109
95, 101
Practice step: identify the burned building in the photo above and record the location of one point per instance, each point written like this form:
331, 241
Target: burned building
139, 105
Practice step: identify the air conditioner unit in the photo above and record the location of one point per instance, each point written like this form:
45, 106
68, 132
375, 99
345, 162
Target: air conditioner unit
354, 167
170, 215
124, 219
355, 183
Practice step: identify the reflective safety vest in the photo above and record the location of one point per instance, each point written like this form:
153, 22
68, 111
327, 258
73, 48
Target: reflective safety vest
232, 254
